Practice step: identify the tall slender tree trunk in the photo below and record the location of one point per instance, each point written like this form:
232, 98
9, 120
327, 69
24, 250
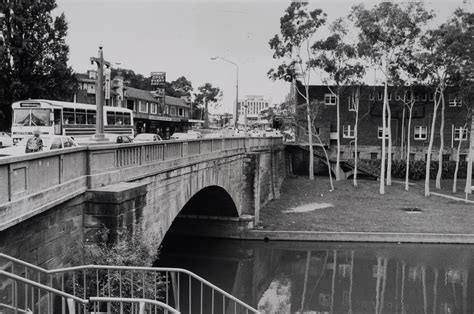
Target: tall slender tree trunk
456, 169
441, 144
430, 145
384, 128
338, 141
356, 135
327, 161
310, 135
402, 143
407, 166
389, 153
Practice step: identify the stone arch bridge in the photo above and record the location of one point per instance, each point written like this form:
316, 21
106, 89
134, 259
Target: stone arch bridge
52, 202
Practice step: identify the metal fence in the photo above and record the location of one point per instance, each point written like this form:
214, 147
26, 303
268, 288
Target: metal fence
115, 289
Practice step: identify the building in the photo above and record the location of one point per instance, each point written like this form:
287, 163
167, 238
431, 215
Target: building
370, 129
254, 104
152, 113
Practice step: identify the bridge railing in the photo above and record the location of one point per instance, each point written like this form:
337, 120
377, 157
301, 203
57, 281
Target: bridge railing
112, 288
34, 182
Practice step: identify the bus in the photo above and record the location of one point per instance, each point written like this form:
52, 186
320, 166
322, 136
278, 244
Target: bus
66, 118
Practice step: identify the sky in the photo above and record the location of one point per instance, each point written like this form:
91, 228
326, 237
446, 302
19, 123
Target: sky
180, 36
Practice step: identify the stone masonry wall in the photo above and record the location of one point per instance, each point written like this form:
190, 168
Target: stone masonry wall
50, 239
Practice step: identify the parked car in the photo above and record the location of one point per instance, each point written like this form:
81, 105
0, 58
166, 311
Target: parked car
184, 136
50, 142
113, 138
272, 133
147, 137
196, 133
5, 140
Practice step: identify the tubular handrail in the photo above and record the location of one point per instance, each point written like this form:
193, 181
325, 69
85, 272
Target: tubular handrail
134, 300
132, 268
155, 269
43, 287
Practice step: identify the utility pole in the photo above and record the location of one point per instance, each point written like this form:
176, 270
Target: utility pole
100, 95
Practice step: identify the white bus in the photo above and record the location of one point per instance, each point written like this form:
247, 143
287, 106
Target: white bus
66, 118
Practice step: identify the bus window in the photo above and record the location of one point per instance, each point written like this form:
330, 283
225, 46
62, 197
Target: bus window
68, 115
32, 117
90, 116
22, 117
80, 116
118, 118
126, 119
110, 118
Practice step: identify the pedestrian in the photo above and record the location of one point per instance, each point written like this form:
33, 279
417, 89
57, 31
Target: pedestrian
34, 143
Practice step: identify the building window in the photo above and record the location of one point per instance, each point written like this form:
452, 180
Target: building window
380, 132
374, 156
371, 96
445, 157
358, 155
389, 96
172, 111
317, 131
380, 96
351, 103
417, 97
421, 133
424, 97
460, 134
329, 99
431, 96
180, 112
348, 131
398, 96
142, 106
412, 156
454, 101
153, 108
462, 157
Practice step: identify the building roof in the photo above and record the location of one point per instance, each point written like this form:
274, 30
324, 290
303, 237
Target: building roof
169, 100
131, 92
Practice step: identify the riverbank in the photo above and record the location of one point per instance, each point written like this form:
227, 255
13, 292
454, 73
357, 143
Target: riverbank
364, 211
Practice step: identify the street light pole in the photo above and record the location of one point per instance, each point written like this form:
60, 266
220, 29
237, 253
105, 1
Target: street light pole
236, 111
99, 99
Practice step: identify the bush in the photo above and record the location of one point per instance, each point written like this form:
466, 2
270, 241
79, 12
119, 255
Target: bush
417, 169
131, 249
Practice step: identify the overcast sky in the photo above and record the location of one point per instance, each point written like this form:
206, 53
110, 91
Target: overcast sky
181, 36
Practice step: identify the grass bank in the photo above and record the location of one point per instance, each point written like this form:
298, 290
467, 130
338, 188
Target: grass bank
363, 209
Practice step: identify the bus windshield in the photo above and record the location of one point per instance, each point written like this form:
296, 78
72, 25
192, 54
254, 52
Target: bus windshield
31, 117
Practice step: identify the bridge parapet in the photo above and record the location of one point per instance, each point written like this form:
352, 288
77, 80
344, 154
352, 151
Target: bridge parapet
35, 182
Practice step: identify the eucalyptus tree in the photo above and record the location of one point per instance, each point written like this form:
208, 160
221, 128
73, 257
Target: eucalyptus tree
292, 46
446, 53
385, 30
340, 60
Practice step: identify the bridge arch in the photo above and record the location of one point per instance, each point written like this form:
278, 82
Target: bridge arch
212, 200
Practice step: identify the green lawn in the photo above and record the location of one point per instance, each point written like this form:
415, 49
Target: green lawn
363, 209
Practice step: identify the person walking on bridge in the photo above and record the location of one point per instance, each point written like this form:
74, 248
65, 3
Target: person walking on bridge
35, 143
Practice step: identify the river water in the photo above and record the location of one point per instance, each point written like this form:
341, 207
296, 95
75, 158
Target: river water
313, 277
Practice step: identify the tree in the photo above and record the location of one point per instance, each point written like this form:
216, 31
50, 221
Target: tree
293, 46
385, 31
445, 50
338, 59
132, 79
179, 87
207, 94
34, 56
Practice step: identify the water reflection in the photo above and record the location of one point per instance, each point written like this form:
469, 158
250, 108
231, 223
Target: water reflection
288, 277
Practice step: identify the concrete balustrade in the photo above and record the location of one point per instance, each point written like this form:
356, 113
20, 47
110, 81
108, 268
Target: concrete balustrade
33, 183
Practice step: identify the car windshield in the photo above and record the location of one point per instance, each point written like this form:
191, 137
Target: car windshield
31, 117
